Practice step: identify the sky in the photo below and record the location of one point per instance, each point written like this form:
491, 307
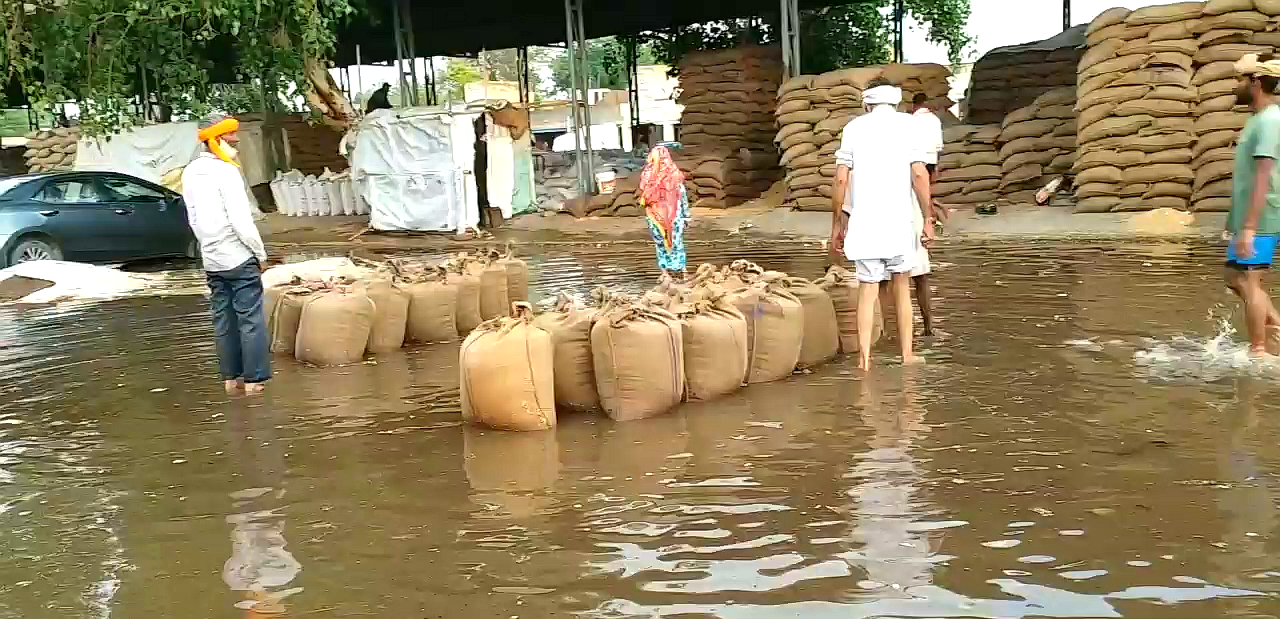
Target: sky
992, 24
995, 23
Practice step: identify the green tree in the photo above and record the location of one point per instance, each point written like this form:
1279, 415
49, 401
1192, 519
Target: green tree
830, 38
452, 80
100, 53
606, 64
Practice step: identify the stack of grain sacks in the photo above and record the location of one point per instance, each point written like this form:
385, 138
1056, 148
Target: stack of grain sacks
1137, 105
52, 150
813, 110
1008, 78
1037, 141
969, 169
1226, 30
728, 108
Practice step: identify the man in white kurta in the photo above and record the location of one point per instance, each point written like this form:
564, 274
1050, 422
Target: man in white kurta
879, 166
929, 130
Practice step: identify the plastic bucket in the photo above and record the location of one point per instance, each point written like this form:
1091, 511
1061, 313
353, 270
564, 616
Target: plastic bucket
607, 181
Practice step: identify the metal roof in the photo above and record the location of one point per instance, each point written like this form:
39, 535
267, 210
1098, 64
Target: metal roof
463, 28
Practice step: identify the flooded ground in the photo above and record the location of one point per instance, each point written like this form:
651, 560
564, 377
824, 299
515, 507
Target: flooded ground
1078, 446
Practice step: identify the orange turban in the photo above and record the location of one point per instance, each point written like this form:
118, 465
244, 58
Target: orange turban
212, 135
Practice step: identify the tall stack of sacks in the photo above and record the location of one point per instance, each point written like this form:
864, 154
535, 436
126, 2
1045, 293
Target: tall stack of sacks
718, 178
1008, 78
969, 170
1227, 30
1137, 106
52, 150
813, 110
1036, 141
728, 105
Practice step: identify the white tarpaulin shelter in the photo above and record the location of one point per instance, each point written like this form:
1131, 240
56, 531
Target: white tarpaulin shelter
415, 168
152, 151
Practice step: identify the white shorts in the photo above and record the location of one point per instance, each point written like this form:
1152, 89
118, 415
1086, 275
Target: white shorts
922, 267
879, 270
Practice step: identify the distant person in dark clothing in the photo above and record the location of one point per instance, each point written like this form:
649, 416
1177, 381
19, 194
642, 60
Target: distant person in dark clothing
378, 100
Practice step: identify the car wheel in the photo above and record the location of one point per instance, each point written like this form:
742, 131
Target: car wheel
34, 248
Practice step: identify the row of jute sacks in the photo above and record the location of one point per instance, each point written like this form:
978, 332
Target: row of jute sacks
335, 317
637, 357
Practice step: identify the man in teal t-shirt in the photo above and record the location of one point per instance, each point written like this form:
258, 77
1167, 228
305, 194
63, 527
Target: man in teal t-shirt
1254, 222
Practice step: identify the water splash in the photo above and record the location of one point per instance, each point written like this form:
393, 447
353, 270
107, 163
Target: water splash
1202, 359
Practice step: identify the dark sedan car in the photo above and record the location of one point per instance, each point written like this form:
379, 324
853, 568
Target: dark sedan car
90, 217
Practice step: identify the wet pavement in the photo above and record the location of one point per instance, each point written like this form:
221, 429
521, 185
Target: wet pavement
1079, 445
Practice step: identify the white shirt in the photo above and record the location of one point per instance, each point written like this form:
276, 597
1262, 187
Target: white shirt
929, 129
879, 148
220, 214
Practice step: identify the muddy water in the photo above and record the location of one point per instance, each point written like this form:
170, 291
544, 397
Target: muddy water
1078, 446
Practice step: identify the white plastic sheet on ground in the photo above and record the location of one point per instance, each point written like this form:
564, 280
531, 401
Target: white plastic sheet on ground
414, 168
73, 281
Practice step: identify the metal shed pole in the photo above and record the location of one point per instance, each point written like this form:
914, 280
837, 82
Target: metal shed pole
586, 93
1066, 14
407, 24
899, 12
574, 124
790, 37
395, 26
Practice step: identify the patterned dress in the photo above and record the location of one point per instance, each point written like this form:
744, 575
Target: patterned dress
673, 259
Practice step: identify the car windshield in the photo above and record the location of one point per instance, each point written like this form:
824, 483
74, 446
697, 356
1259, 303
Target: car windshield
13, 181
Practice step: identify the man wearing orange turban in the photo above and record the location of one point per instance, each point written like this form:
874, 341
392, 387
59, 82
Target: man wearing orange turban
221, 217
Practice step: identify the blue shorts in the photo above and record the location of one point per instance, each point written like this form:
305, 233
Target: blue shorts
1264, 254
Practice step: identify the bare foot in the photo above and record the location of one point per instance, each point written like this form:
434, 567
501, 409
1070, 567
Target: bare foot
913, 360
864, 365
1273, 340
232, 386
255, 388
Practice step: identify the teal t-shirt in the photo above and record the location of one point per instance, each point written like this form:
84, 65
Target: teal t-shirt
1260, 139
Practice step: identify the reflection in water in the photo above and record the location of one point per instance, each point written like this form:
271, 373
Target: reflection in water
894, 554
260, 567
1062, 480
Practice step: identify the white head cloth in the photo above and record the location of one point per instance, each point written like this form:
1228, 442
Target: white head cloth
882, 95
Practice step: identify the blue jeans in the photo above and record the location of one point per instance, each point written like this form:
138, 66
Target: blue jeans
240, 324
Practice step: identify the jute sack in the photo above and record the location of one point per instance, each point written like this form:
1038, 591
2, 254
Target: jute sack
1113, 94
506, 368
1095, 190
1214, 171
1158, 172
517, 276
969, 173
1225, 35
1217, 88
493, 288
842, 286
1226, 52
1217, 189
1220, 121
467, 285
982, 184
285, 316
1096, 205
1109, 17
1091, 115
1238, 20
1099, 53
821, 341
574, 369
1172, 155
1165, 13
1030, 128
1114, 127
775, 328
1213, 72
433, 311
390, 314
1100, 174
1168, 189
1210, 141
715, 345
1220, 103
334, 328
1212, 155
1212, 205
1218, 7
990, 157
1153, 107
638, 356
